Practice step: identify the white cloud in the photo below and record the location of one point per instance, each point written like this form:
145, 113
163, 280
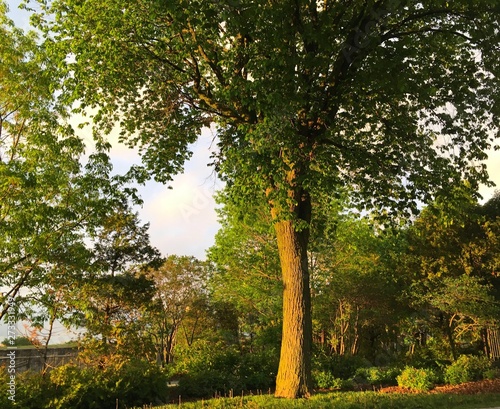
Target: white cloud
183, 219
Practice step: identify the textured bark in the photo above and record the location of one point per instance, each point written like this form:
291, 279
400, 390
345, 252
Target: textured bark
294, 373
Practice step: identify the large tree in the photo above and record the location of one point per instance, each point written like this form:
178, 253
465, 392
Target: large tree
395, 98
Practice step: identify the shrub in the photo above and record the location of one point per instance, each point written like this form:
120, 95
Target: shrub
377, 375
341, 366
418, 379
132, 383
257, 370
468, 368
205, 383
388, 376
77, 388
32, 391
138, 382
493, 373
325, 380
206, 368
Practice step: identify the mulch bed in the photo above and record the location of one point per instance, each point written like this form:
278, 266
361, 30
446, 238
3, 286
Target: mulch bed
468, 388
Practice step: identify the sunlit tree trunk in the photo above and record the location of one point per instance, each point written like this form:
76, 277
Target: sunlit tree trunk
294, 373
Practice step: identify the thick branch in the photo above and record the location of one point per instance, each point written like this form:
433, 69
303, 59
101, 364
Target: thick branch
15, 290
212, 64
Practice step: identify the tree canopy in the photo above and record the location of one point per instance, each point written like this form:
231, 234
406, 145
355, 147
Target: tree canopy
393, 97
56, 203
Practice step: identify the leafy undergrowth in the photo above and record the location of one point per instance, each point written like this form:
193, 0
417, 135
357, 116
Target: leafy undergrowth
482, 394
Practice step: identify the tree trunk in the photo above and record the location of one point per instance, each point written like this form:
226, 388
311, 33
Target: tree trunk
169, 346
45, 354
451, 341
294, 373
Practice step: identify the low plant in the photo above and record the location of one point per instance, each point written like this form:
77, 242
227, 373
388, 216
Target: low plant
377, 375
206, 369
493, 373
30, 390
326, 380
340, 366
417, 379
468, 368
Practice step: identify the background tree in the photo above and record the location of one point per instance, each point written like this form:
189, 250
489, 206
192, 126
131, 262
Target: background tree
67, 230
111, 295
51, 200
356, 290
180, 304
246, 271
393, 98
490, 261
451, 254
20, 341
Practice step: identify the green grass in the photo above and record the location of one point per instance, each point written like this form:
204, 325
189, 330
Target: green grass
349, 400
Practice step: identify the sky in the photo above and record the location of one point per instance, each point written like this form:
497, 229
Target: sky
182, 214
183, 220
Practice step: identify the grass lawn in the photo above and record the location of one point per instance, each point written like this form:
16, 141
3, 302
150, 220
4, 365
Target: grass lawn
350, 400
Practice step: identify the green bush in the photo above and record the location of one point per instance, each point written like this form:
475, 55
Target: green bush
139, 382
78, 388
32, 391
131, 383
468, 368
418, 379
206, 368
257, 370
325, 380
206, 383
341, 366
493, 373
377, 375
